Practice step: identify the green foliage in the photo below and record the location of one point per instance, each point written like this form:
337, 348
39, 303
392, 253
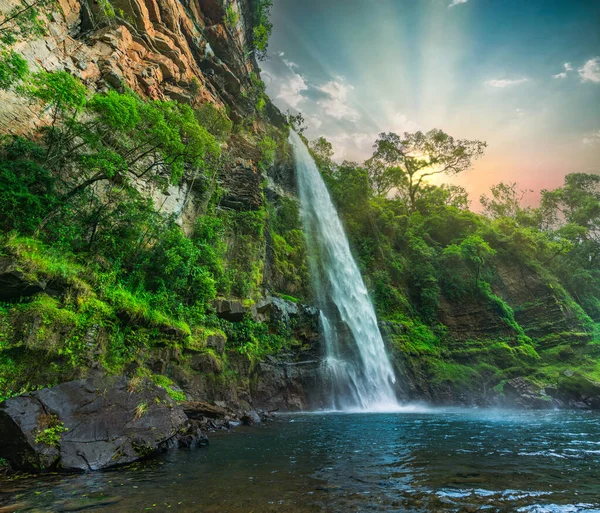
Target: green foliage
26, 187
268, 149
59, 90
424, 256
52, 434
231, 17
288, 245
168, 385
215, 121
262, 27
107, 9
13, 68
24, 20
254, 339
402, 163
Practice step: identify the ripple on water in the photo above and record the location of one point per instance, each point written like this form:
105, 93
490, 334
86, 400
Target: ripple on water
431, 460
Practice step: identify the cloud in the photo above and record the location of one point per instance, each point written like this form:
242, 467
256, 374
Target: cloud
400, 124
560, 75
568, 66
313, 122
281, 54
290, 64
457, 2
335, 100
290, 90
590, 72
355, 146
505, 82
592, 140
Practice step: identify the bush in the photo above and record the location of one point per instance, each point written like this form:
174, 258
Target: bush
27, 188
13, 68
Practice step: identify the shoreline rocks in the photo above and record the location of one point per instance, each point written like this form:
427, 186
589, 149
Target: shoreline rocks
104, 422
90, 424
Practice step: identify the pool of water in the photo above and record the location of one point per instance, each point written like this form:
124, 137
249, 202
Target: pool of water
416, 460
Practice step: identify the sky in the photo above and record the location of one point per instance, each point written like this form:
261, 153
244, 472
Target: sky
522, 75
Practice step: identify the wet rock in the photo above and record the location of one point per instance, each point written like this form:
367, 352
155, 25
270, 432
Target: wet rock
191, 435
577, 391
289, 385
87, 424
523, 394
250, 418
275, 310
198, 410
230, 310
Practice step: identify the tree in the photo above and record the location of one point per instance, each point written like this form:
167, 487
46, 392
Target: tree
24, 20
296, 121
407, 161
262, 28
322, 152
572, 213
577, 202
505, 201
117, 137
474, 251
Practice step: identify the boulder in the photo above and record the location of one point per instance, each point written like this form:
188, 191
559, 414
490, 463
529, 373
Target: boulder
232, 311
197, 410
206, 363
89, 424
250, 418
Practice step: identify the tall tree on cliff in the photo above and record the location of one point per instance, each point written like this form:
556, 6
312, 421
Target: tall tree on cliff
403, 163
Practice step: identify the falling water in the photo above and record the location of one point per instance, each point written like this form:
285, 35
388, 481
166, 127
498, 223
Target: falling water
357, 365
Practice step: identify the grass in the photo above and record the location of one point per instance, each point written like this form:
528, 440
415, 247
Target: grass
168, 384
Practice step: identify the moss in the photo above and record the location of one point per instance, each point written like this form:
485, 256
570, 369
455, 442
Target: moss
50, 430
37, 262
168, 384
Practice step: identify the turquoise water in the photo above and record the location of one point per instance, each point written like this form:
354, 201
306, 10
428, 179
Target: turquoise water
421, 460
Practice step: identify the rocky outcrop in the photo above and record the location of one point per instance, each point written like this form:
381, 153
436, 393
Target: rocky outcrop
88, 424
15, 284
289, 384
521, 393
160, 49
472, 318
540, 307
230, 310
575, 391
242, 186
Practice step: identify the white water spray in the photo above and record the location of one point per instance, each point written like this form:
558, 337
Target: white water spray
358, 367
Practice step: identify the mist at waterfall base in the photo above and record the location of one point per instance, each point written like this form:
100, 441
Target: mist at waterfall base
356, 364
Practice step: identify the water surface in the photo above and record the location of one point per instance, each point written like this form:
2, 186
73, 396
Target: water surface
419, 460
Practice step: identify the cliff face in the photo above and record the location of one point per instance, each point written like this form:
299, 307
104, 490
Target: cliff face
161, 49
194, 53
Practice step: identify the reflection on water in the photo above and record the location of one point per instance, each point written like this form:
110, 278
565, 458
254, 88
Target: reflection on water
420, 460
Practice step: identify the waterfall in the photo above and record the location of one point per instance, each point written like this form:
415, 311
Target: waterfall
356, 361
